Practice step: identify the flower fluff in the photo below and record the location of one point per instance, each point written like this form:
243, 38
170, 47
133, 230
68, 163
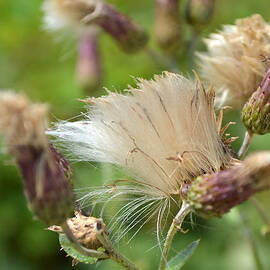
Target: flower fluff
163, 133
234, 61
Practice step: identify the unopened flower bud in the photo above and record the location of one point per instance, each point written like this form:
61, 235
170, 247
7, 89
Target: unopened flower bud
199, 12
80, 14
130, 36
256, 112
167, 25
44, 170
215, 194
89, 73
85, 229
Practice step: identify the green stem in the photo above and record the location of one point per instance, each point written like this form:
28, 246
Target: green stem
114, 254
192, 44
79, 247
245, 145
175, 226
251, 241
264, 215
111, 253
166, 62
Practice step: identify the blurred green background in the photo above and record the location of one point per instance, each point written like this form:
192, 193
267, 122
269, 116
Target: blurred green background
42, 65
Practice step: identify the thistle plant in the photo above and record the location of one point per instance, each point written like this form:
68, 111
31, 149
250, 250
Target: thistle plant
166, 134
236, 52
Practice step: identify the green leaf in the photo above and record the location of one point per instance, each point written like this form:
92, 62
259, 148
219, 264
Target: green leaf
181, 258
72, 252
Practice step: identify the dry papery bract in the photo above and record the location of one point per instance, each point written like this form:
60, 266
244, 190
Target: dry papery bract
234, 62
163, 133
85, 229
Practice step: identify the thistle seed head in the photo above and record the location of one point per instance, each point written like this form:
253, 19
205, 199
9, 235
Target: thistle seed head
163, 132
233, 62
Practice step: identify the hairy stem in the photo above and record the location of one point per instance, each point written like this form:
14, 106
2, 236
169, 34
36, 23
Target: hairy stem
79, 247
250, 239
114, 254
245, 144
175, 226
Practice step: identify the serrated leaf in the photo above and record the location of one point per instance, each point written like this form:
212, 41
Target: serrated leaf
181, 258
72, 252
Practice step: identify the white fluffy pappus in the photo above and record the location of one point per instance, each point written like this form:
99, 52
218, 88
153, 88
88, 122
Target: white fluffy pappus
70, 14
234, 61
163, 133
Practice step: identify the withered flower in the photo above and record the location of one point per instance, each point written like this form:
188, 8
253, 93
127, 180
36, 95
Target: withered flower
233, 62
85, 229
164, 133
44, 170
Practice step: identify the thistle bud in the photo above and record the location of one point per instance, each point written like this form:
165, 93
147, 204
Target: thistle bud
215, 194
256, 112
80, 14
44, 170
89, 73
85, 229
129, 36
199, 12
167, 25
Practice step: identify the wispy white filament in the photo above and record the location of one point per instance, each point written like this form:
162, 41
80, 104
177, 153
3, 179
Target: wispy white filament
234, 61
162, 133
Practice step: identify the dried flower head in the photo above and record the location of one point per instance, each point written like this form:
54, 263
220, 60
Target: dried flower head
44, 170
85, 230
163, 133
84, 15
233, 62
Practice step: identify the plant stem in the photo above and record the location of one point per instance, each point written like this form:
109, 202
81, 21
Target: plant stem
114, 254
111, 253
162, 60
79, 247
264, 215
175, 226
245, 144
251, 241
192, 46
